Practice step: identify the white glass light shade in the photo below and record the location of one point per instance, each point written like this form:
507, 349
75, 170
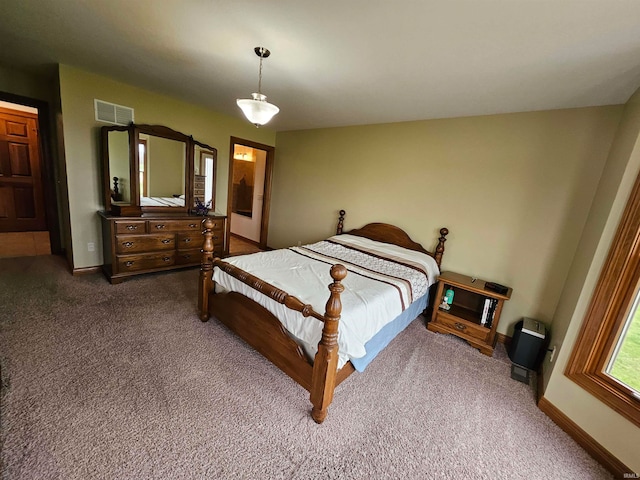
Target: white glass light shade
257, 110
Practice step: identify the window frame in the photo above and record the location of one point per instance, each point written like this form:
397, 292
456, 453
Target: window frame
608, 311
142, 162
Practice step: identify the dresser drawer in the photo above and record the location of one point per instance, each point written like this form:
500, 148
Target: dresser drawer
218, 224
218, 237
145, 243
131, 227
192, 225
188, 241
188, 257
131, 263
463, 327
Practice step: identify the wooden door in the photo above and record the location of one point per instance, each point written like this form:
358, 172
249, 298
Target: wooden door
21, 194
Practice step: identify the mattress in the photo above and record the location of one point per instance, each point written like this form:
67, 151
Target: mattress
383, 281
162, 201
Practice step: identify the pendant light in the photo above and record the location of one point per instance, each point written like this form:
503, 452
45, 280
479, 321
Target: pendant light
257, 110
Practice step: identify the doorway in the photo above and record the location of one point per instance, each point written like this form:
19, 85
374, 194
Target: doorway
28, 207
250, 171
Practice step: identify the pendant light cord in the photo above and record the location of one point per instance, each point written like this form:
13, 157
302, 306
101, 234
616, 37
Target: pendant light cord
260, 77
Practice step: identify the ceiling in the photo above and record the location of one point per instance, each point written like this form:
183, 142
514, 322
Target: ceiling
342, 62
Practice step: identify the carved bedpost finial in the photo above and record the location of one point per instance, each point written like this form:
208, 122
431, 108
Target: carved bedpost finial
340, 222
338, 272
334, 306
440, 248
207, 231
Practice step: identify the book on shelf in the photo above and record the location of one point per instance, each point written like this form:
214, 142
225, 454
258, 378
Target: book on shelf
492, 311
485, 311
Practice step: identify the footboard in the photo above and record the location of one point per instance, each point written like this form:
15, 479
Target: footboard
265, 333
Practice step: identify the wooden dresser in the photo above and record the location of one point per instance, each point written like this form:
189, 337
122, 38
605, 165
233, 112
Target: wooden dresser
199, 187
154, 243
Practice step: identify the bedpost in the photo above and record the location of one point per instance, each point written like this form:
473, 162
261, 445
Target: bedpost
440, 248
340, 222
325, 364
205, 285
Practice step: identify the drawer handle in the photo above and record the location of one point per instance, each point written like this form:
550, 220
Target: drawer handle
460, 326
129, 263
166, 241
127, 244
132, 227
166, 259
193, 225
187, 240
160, 226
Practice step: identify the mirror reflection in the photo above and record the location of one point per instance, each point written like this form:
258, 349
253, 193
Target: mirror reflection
161, 171
119, 169
204, 168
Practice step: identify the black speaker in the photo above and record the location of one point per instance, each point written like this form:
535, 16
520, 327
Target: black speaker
527, 342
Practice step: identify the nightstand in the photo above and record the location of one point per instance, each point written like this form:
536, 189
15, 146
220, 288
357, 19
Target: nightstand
474, 313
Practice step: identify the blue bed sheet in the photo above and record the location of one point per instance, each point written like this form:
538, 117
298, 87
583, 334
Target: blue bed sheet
389, 332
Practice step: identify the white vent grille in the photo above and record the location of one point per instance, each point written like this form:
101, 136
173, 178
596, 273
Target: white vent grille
112, 113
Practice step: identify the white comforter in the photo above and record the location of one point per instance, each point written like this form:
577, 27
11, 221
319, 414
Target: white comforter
162, 201
383, 280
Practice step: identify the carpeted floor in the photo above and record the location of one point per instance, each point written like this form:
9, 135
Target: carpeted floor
105, 381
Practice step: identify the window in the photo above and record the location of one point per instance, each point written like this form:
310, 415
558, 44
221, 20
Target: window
624, 365
208, 186
606, 358
142, 164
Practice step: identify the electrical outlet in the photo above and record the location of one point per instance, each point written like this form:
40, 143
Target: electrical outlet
299, 243
553, 354
91, 247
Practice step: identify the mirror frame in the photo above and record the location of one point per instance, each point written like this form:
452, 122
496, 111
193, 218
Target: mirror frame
162, 131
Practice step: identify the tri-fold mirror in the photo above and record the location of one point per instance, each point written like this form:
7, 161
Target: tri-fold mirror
152, 168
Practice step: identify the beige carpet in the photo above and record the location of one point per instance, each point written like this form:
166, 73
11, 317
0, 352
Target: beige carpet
105, 381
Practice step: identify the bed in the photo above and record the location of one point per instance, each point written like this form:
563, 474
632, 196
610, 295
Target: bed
175, 201
389, 279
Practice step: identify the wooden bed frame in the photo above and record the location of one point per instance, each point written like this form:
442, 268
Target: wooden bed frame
264, 332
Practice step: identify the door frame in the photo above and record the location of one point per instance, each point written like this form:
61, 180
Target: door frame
266, 198
52, 215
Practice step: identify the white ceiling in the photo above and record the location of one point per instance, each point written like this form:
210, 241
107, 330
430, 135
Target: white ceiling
343, 62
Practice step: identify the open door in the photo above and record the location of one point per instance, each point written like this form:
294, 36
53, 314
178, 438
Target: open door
250, 170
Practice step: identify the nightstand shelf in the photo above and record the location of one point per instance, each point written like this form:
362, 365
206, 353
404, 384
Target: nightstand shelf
466, 317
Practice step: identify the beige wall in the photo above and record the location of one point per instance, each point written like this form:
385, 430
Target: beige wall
514, 191
25, 84
78, 89
611, 430
166, 162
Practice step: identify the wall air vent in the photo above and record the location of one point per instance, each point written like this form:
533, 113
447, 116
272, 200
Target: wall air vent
112, 113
